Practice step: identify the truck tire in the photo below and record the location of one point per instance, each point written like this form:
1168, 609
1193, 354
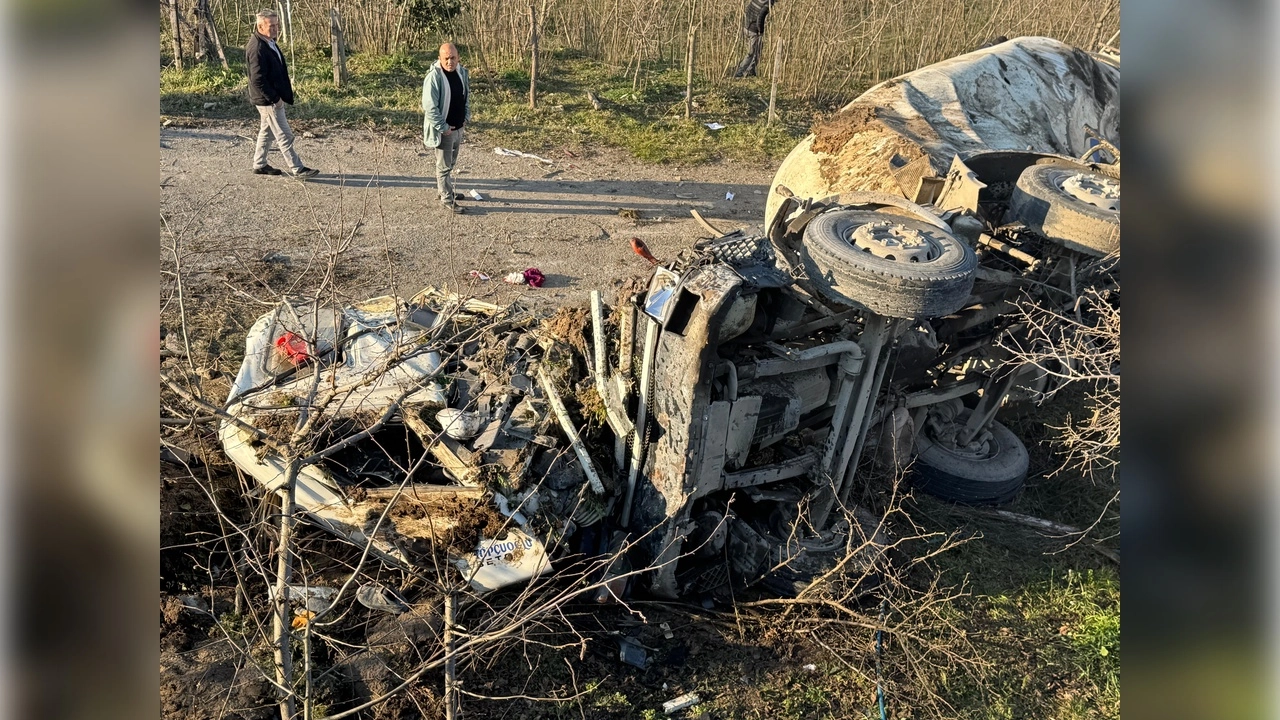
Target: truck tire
850, 257
993, 479
1040, 202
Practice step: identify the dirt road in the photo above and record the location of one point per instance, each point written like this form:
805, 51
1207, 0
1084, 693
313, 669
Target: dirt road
572, 218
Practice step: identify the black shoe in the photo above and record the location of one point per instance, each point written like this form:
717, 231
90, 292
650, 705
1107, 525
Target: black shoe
453, 207
306, 172
266, 170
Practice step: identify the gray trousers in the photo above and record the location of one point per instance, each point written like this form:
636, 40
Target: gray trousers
275, 125
446, 159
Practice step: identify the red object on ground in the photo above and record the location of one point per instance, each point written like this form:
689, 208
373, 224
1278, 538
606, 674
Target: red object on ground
534, 277
294, 347
642, 250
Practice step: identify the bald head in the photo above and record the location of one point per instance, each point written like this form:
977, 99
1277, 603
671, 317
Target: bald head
449, 57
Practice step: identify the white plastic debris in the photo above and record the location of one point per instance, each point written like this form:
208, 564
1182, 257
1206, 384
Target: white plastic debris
728, 196
714, 126
478, 276
517, 557
460, 424
381, 598
475, 194
675, 705
515, 278
517, 153
504, 507
810, 667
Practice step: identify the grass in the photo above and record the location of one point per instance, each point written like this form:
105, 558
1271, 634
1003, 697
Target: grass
1047, 619
385, 93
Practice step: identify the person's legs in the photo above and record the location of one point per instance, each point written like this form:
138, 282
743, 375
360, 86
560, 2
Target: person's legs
446, 158
263, 146
273, 116
747, 68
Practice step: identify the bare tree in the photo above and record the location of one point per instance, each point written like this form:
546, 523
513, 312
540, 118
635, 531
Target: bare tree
1078, 343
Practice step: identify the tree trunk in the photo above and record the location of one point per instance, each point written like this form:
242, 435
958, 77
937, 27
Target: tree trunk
280, 616
339, 49
213, 35
688, 78
533, 56
177, 34
202, 32
451, 704
1096, 38
773, 87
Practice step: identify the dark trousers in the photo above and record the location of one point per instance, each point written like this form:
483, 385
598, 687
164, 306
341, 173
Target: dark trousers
747, 68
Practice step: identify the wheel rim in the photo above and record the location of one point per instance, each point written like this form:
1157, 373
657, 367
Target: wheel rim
983, 447
896, 242
1098, 191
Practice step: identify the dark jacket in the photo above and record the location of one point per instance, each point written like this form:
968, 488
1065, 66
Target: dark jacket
268, 75
757, 12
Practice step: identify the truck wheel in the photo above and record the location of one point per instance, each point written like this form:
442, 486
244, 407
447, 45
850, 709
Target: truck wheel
1078, 210
891, 264
986, 473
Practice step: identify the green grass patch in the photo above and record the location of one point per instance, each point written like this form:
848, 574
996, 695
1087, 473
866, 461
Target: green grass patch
643, 115
1055, 646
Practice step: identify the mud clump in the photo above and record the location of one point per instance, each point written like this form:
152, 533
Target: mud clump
474, 520
569, 325
417, 511
832, 133
278, 426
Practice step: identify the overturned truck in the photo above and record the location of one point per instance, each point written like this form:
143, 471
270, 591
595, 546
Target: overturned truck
712, 431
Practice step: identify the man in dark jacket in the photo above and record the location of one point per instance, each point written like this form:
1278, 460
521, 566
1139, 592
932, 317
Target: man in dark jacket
753, 30
269, 90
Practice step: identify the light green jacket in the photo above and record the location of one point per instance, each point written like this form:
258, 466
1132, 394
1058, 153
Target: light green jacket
435, 103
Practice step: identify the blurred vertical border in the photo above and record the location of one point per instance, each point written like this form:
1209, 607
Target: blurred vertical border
80, 502
1198, 92
80, 496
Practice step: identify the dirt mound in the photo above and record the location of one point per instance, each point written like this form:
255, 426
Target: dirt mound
830, 134
569, 325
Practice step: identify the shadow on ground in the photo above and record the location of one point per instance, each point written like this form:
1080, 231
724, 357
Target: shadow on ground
580, 197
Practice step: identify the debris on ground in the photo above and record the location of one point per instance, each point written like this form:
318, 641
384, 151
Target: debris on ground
683, 702
532, 277
381, 598
639, 247
516, 153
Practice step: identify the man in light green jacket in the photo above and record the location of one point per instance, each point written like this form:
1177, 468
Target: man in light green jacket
446, 107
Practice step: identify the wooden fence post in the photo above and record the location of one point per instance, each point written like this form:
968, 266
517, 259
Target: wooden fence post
773, 87
339, 48
177, 34
533, 57
688, 77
